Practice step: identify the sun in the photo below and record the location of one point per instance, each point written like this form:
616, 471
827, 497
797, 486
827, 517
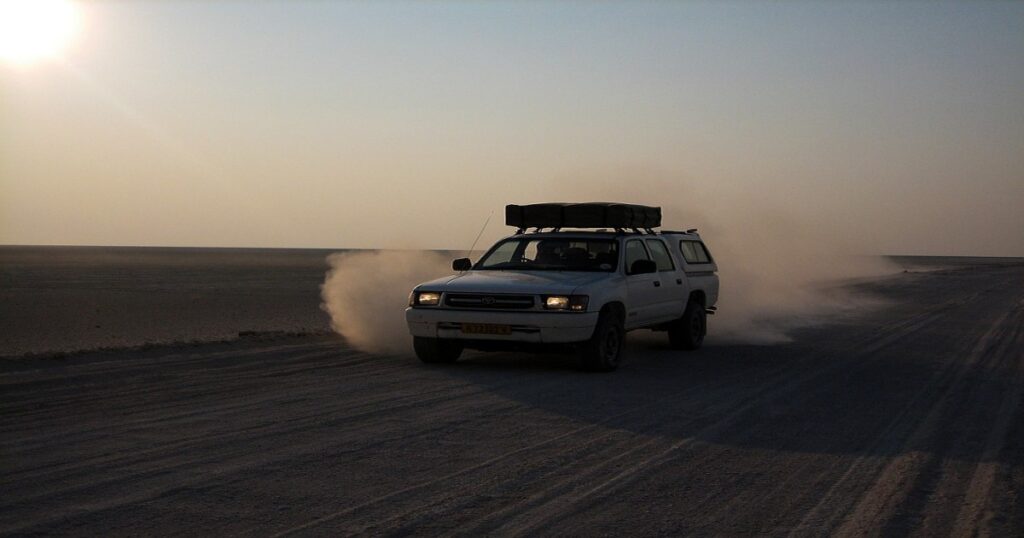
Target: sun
34, 30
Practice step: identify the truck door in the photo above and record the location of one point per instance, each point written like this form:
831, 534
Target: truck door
642, 291
674, 289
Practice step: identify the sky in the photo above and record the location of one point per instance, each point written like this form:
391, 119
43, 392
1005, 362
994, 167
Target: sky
898, 127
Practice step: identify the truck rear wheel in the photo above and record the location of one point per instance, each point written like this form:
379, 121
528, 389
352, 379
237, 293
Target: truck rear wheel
603, 352
434, 350
688, 331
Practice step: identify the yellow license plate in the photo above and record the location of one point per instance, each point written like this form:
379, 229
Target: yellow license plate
486, 328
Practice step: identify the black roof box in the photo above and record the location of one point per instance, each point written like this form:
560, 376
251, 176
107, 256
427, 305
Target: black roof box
584, 215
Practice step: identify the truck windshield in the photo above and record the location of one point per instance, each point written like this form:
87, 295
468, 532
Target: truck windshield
552, 254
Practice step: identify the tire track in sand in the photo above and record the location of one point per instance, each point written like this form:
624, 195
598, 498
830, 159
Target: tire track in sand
560, 504
880, 502
568, 491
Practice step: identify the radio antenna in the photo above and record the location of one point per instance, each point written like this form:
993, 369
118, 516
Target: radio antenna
470, 251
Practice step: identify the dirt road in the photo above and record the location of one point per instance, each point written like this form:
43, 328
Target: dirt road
907, 421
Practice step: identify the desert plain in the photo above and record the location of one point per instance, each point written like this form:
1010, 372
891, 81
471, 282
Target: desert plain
208, 396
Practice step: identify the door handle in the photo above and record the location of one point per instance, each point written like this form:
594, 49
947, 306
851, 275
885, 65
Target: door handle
657, 284
679, 281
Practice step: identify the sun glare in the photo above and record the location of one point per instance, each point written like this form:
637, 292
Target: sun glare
33, 30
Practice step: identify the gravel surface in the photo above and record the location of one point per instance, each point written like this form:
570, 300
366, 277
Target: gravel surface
907, 420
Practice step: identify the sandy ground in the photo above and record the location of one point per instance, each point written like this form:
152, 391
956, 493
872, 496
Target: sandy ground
906, 421
61, 299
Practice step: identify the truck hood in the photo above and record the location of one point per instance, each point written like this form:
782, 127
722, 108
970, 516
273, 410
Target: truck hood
529, 282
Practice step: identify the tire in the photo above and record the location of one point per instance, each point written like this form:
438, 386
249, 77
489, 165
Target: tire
603, 352
436, 350
688, 331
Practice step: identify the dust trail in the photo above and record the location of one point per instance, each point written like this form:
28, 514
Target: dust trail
365, 294
781, 274
780, 268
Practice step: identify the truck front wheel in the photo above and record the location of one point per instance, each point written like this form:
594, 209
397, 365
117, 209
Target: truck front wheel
603, 352
434, 350
688, 331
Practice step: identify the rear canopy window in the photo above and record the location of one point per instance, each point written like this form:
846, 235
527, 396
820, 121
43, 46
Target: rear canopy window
661, 256
694, 252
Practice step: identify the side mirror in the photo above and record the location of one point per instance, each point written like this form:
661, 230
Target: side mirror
641, 267
462, 264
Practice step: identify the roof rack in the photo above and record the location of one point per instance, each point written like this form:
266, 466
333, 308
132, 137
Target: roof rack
583, 215
615, 231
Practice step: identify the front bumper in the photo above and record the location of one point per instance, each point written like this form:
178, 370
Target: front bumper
533, 327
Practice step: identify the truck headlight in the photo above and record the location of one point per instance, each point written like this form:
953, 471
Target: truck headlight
572, 303
425, 298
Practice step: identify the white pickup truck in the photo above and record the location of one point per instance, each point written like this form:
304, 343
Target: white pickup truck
579, 290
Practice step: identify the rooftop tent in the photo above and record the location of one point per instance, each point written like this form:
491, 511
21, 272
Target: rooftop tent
585, 215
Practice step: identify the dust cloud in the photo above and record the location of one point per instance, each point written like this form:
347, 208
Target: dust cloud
781, 274
780, 270
365, 293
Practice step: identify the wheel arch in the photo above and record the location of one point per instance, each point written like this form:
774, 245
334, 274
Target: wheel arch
615, 308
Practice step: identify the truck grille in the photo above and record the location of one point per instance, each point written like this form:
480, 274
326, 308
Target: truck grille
483, 300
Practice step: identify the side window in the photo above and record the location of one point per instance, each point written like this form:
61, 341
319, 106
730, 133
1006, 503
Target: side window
702, 253
531, 251
694, 252
689, 253
635, 251
661, 255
